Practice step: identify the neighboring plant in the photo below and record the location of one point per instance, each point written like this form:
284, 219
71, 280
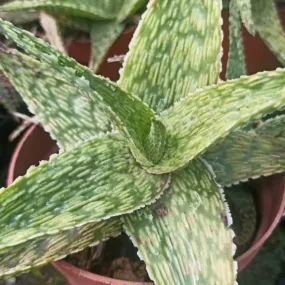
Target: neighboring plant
267, 268
104, 20
140, 155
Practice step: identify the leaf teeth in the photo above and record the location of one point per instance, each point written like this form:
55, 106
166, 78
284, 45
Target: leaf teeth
232, 164
184, 257
83, 172
190, 58
236, 102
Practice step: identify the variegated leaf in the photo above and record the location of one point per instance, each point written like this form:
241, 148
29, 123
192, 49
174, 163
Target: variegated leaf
103, 35
183, 238
273, 127
92, 182
96, 10
198, 121
64, 109
50, 247
244, 7
267, 24
175, 50
236, 58
135, 119
241, 156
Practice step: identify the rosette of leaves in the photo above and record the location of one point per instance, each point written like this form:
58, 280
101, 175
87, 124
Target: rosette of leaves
102, 20
137, 155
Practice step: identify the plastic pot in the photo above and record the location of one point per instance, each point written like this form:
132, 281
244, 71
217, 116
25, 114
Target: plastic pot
36, 145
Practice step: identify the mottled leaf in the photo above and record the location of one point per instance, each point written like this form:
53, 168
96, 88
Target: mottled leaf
96, 10
241, 156
273, 127
94, 181
103, 35
198, 121
236, 58
134, 118
50, 247
244, 7
64, 109
183, 238
176, 49
267, 24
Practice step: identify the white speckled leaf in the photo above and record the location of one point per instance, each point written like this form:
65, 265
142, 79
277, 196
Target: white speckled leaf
267, 24
236, 58
97, 180
133, 117
65, 110
176, 49
103, 35
51, 247
92, 9
183, 238
241, 156
198, 121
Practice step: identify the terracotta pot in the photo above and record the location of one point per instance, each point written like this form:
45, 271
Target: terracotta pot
37, 145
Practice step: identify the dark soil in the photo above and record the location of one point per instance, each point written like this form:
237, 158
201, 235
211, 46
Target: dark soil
116, 258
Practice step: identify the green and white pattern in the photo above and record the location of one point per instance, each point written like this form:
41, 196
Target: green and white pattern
167, 111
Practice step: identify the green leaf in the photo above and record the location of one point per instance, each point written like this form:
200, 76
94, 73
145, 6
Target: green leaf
92, 182
103, 35
9, 97
244, 211
130, 7
267, 24
241, 156
19, 18
182, 238
133, 118
198, 121
46, 275
273, 127
236, 59
244, 7
64, 109
53, 32
47, 248
176, 49
95, 10
77, 23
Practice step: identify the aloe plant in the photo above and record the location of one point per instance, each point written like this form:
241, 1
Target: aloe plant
137, 155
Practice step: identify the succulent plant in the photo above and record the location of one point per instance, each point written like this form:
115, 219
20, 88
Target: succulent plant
144, 154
